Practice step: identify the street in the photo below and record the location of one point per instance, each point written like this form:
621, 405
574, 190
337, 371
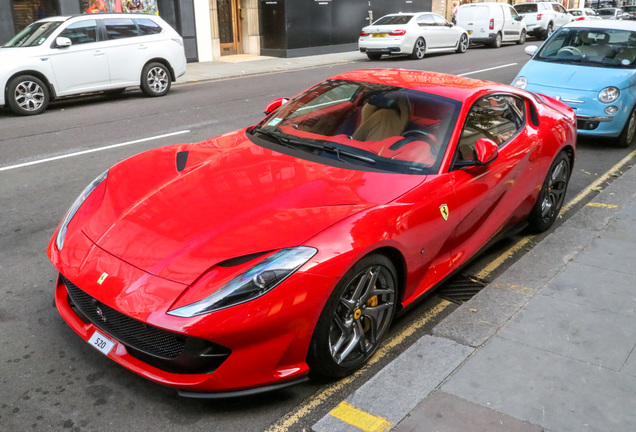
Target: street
50, 378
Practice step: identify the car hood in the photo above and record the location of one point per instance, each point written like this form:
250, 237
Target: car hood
232, 198
8, 54
569, 76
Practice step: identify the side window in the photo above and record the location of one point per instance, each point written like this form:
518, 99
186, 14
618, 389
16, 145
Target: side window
439, 21
513, 13
496, 117
425, 20
120, 28
81, 32
148, 26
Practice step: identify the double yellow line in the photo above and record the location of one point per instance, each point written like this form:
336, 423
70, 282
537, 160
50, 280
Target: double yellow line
368, 422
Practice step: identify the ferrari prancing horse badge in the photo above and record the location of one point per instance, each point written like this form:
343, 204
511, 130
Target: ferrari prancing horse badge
443, 209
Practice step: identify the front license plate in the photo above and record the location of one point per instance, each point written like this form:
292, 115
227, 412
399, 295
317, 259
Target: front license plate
101, 343
378, 35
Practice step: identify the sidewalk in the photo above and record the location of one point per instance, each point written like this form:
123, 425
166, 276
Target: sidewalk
547, 346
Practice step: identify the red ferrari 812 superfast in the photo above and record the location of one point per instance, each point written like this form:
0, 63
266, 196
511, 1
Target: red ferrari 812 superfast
241, 263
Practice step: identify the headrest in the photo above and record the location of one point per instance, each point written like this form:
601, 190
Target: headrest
381, 100
602, 38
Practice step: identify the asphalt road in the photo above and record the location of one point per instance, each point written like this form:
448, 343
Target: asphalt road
49, 378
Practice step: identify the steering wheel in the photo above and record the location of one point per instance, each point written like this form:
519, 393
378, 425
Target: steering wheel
570, 50
423, 136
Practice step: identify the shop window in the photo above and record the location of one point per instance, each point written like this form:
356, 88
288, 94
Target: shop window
27, 11
97, 6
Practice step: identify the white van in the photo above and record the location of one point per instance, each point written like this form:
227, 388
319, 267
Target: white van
491, 23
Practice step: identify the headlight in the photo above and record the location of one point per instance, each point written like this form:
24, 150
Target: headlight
609, 94
61, 233
252, 284
520, 82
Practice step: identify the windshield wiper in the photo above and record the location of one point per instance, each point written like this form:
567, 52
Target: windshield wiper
288, 142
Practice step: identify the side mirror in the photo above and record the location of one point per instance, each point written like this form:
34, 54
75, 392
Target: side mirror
275, 104
531, 50
519, 18
63, 42
486, 151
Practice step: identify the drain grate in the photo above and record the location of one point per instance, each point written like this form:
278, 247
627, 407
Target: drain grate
461, 288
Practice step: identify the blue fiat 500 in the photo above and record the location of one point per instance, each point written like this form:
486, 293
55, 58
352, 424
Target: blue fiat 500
590, 66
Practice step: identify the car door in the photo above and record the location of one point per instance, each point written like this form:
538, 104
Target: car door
488, 195
83, 66
429, 31
561, 15
125, 49
447, 34
513, 25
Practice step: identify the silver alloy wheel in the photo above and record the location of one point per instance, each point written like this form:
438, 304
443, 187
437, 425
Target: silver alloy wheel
29, 96
158, 79
362, 315
555, 193
463, 43
420, 49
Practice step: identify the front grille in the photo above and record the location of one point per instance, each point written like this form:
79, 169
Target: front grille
586, 124
166, 350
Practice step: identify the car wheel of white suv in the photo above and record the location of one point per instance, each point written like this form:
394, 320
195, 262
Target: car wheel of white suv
155, 79
27, 95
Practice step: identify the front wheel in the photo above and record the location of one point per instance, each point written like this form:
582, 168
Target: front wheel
497, 42
627, 135
355, 319
550, 199
548, 31
155, 79
462, 45
419, 49
522, 38
27, 95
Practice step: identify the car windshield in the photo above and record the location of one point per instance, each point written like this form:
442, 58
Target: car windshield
33, 35
605, 11
364, 126
575, 12
591, 47
393, 20
526, 8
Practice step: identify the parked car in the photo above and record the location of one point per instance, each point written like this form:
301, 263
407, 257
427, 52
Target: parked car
582, 14
491, 23
612, 13
591, 66
543, 18
413, 34
240, 263
630, 11
65, 56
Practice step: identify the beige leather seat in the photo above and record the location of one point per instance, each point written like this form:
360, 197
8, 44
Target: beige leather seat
383, 117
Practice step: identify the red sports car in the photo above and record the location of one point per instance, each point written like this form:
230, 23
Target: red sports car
242, 263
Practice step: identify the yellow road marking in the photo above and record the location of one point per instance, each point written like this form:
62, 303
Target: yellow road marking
594, 204
295, 416
360, 419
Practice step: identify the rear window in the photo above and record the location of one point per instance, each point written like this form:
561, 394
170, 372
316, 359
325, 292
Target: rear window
526, 8
605, 12
393, 20
148, 26
120, 28
575, 12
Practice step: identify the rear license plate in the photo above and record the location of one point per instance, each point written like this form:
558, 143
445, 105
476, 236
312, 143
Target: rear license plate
101, 343
378, 35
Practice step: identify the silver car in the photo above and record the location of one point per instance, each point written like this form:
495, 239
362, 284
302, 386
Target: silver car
412, 34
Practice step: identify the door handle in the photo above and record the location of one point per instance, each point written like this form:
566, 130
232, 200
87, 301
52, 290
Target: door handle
141, 47
99, 53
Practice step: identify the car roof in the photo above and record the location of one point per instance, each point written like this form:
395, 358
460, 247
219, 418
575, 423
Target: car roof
450, 86
604, 24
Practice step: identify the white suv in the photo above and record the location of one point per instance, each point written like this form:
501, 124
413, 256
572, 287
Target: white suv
543, 18
64, 56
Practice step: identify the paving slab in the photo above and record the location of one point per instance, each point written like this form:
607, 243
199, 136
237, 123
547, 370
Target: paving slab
576, 331
441, 412
402, 384
610, 253
546, 389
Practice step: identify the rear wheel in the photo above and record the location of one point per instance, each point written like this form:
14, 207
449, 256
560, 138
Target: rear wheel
374, 56
462, 45
627, 135
27, 95
419, 49
497, 42
155, 79
550, 200
355, 319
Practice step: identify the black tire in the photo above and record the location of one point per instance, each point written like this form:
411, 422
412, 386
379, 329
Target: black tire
552, 194
497, 42
522, 38
462, 44
374, 56
419, 49
548, 31
355, 318
629, 131
27, 95
155, 79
